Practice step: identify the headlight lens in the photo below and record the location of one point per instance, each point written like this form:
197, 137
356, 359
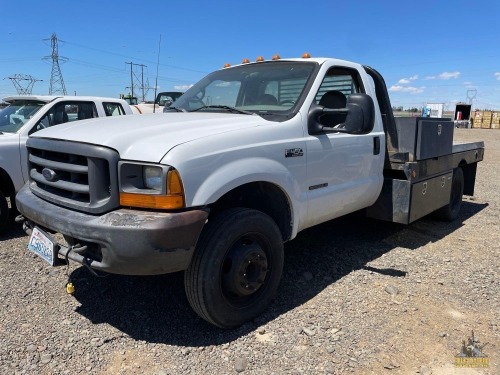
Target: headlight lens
150, 186
153, 177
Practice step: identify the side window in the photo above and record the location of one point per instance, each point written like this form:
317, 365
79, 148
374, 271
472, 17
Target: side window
337, 85
66, 112
113, 109
284, 93
43, 123
344, 80
84, 110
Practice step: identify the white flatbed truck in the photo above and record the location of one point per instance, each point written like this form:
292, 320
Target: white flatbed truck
247, 158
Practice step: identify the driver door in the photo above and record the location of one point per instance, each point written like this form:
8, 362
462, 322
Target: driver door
344, 170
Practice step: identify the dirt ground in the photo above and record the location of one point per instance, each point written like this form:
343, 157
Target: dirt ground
457, 290
358, 296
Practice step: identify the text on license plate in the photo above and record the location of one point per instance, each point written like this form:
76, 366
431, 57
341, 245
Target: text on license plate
42, 245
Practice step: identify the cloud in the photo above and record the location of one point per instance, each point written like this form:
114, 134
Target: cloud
405, 81
497, 76
182, 87
223, 84
449, 75
444, 76
410, 89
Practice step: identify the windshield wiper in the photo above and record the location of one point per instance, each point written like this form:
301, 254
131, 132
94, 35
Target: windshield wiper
175, 109
226, 107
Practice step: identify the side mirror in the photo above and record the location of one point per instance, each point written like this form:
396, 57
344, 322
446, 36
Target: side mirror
359, 116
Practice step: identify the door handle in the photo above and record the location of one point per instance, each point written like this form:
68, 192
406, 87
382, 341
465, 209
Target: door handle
376, 145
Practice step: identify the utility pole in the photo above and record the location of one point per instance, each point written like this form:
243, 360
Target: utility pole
23, 89
137, 82
56, 78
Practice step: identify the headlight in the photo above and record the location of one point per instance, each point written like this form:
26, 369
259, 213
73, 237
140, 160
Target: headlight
152, 177
150, 186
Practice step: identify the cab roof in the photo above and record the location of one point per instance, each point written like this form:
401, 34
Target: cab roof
50, 98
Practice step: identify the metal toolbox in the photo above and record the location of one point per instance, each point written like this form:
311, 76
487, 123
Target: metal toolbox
424, 137
403, 201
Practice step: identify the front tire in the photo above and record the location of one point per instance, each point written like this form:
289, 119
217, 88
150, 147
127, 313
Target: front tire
236, 267
451, 211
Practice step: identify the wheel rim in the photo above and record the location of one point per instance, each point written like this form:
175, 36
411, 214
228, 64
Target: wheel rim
245, 270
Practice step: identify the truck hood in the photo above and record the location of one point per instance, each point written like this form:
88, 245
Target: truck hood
149, 137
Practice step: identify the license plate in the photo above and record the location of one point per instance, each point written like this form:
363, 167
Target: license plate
42, 245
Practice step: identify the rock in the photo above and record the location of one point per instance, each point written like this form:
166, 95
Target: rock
391, 365
424, 370
334, 331
45, 358
443, 334
240, 364
308, 332
330, 368
392, 290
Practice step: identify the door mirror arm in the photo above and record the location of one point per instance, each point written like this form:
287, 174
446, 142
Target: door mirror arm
314, 125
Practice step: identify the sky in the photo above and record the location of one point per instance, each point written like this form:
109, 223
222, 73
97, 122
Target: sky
427, 51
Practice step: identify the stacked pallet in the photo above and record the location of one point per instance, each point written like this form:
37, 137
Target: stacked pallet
495, 120
487, 115
486, 119
477, 119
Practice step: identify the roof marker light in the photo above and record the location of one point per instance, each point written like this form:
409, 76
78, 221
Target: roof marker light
259, 59
227, 65
276, 57
306, 55
245, 61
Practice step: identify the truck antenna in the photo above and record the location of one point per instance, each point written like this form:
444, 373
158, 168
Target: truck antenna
156, 80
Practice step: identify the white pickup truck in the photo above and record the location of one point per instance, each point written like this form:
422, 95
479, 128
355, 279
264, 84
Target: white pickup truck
246, 159
27, 114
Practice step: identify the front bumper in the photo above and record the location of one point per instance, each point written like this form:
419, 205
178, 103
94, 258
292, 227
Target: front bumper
127, 242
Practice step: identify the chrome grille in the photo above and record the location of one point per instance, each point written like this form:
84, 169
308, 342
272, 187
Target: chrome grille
75, 175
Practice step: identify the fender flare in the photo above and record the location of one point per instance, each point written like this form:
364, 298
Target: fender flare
255, 169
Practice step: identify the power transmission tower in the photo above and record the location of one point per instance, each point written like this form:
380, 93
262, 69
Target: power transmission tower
56, 78
18, 79
137, 82
471, 95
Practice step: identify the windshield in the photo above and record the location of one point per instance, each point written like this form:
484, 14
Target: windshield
13, 117
270, 89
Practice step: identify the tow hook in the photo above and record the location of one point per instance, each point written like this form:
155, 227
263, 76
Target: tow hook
27, 227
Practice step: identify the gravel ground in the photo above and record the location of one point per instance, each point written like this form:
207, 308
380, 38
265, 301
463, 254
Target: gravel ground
358, 296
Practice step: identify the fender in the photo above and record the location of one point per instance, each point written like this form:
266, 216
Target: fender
249, 170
